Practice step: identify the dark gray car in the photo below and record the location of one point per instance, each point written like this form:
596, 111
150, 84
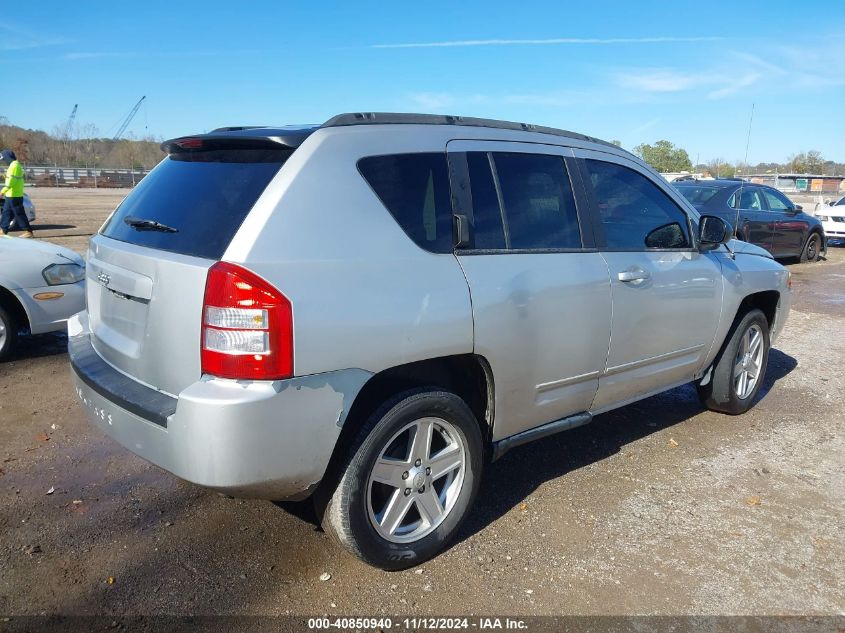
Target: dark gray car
761, 215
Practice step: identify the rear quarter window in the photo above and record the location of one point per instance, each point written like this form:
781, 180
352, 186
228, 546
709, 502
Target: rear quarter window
698, 195
415, 190
204, 195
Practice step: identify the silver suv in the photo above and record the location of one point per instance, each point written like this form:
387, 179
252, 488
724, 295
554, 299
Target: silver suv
369, 311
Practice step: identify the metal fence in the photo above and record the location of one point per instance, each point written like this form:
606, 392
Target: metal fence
95, 177
801, 183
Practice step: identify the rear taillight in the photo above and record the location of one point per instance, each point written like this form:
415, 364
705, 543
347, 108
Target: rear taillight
247, 326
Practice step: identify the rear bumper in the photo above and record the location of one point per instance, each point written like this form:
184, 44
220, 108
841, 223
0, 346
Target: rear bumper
270, 440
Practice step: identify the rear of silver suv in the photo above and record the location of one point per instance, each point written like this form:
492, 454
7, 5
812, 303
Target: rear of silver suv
180, 356
367, 311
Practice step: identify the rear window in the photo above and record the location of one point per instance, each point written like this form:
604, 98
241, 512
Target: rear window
415, 189
697, 195
203, 195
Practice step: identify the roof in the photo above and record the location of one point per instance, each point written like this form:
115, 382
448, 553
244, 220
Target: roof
716, 183
397, 118
292, 136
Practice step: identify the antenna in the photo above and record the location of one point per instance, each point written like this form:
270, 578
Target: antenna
745, 162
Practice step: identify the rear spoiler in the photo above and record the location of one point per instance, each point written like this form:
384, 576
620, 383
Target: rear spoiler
243, 137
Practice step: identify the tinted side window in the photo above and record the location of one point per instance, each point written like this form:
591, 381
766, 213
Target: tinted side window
415, 189
537, 197
487, 230
634, 212
777, 201
750, 199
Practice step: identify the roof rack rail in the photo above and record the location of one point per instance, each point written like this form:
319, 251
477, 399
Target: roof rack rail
398, 118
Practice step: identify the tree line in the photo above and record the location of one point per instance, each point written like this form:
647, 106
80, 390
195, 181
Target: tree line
665, 157
82, 147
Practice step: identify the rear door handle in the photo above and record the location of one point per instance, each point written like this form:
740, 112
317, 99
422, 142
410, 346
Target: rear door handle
633, 274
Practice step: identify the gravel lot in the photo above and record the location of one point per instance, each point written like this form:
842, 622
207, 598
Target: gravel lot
657, 508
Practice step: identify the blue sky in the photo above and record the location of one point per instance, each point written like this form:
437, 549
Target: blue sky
633, 71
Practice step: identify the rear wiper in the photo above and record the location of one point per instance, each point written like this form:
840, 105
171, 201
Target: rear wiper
148, 225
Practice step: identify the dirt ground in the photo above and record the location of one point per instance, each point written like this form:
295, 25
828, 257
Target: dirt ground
657, 508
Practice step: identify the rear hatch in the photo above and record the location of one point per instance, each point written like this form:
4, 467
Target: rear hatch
147, 267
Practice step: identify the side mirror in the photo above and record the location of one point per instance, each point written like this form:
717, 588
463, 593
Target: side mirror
799, 208
713, 231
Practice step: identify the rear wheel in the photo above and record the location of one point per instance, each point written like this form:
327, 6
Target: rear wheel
740, 367
812, 249
409, 480
8, 333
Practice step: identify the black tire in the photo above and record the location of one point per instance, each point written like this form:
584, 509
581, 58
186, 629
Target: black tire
812, 248
720, 393
346, 516
8, 333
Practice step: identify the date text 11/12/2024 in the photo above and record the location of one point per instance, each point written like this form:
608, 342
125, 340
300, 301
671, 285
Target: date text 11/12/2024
418, 623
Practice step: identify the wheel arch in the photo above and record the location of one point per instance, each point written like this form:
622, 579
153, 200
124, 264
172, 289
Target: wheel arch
10, 301
766, 300
469, 376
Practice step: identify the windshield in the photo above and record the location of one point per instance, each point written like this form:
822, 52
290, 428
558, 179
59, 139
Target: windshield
194, 202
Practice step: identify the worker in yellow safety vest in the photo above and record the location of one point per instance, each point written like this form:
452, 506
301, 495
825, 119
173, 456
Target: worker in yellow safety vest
12, 194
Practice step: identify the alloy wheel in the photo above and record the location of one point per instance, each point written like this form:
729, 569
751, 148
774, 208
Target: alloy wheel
749, 362
416, 480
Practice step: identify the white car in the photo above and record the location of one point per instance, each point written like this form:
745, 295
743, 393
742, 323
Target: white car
28, 207
41, 286
832, 217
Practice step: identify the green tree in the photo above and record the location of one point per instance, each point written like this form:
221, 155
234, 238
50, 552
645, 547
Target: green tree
810, 162
720, 168
664, 156
815, 162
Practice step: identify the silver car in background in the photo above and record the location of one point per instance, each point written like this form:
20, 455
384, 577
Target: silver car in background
41, 285
371, 310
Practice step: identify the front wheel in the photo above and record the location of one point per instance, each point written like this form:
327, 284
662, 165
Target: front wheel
8, 333
740, 368
812, 249
409, 481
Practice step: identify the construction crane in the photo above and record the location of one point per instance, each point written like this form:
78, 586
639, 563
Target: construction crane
128, 119
70, 120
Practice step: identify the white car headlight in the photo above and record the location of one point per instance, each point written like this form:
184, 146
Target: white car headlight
823, 218
58, 274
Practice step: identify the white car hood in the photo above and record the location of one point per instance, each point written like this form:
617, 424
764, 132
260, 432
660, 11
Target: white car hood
22, 260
